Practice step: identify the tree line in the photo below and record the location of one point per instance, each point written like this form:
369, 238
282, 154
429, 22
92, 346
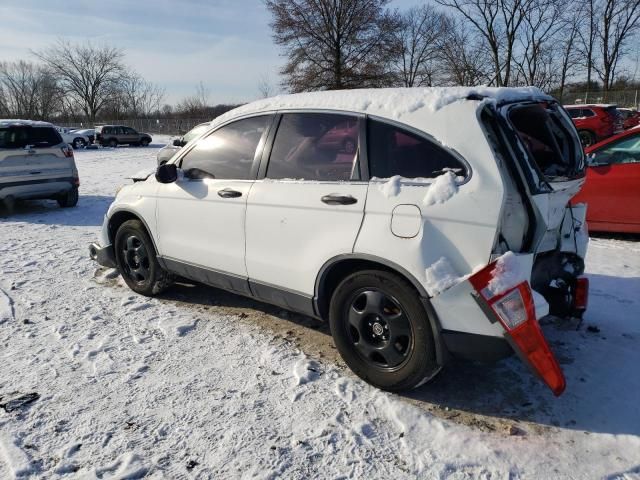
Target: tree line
336, 44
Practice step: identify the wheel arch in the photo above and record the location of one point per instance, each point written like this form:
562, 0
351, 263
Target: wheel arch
338, 267
119, 217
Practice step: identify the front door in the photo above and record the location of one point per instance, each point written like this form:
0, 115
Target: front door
201, 216
309, 206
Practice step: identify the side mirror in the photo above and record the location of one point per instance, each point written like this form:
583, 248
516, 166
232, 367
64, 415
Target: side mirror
177, 142
167, 173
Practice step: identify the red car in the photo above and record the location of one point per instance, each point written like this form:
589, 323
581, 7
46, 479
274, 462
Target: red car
595, 122
612, 187
630, 117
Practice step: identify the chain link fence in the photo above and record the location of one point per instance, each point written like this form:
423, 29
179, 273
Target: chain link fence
623, 98
166, 126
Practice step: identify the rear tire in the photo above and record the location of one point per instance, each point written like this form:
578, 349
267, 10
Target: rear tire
144, 142
69, 199
78, 143
382, 331
137, 262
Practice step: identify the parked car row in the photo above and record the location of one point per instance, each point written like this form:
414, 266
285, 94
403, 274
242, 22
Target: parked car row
597, 122
104, 135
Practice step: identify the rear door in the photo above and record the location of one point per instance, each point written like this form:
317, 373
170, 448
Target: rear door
308, 205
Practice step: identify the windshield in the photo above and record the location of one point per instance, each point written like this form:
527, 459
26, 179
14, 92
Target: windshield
549, 139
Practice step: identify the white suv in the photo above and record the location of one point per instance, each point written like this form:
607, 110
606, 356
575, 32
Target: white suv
421, 223
36, 163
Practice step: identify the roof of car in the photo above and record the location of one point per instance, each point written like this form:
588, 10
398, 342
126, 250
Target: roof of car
390, 102
18, 122
597, 105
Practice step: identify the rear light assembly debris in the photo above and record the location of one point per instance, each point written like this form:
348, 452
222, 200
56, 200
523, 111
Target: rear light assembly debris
581, 295
515, 310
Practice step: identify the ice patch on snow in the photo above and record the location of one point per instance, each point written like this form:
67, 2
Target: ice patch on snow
306, 371
391, 187
507, 274
440, 276
442, 189
13, 456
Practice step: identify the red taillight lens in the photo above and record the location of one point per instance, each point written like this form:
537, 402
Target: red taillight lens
67, 151
581, 296
515, 310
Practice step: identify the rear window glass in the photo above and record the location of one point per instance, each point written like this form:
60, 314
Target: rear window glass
396, 151
549, 140
21, 136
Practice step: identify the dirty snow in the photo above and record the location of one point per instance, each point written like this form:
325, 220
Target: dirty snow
507, 273
193, 384
395, 102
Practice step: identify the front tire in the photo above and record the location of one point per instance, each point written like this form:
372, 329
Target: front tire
382, 330
69, 199
587, 138
137, 262
113, 143
144, 142
78, 143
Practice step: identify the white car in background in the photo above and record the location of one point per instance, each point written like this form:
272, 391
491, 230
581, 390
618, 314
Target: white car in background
74, 138
421, 223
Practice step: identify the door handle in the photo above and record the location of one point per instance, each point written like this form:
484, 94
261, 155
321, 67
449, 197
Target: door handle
35, 172
334, 199
229, 193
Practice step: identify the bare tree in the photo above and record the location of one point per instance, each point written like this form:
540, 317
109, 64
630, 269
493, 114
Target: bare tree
463, 60
332, 44
535, 57
197, 103
89, 74
620, 21
265, 87
414, 45
567, 50
140, 97
498, 22
28, 90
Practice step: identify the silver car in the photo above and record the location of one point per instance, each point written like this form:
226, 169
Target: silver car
168, 151
35, 162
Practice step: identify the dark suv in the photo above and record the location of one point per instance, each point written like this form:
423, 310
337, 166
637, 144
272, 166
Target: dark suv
114, 135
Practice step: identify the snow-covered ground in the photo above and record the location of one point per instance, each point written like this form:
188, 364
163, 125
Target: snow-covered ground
205, 384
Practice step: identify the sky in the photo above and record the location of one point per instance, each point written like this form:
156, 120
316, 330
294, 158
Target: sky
226, 44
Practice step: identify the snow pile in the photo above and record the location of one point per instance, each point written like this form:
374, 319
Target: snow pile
6, 309
391, 187
395, 102
440, 276
507, 274
305, 371
13, 456
442, 189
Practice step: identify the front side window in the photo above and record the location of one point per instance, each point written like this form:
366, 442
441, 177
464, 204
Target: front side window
226, 153
626, 150
588, 113
193, 133
130, 131
315, 146
396, 151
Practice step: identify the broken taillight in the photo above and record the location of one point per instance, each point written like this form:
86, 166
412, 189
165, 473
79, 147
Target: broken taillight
515, 310
67, 151
581, 296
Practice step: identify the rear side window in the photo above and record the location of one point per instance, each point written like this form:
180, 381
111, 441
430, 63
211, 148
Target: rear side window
574, 112
226, 153
44, 137
396, 151
315, 146
587, 113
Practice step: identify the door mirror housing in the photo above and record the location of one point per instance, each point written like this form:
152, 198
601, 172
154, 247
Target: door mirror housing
178, 142
167, 173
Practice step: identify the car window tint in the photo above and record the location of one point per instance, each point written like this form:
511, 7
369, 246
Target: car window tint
43, 137
190, 135
130, 131
315, 146
13, 137
396, 151
588, 113
227, 152
574, 112
626, 150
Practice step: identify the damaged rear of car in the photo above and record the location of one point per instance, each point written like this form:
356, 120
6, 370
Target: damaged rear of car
538, 256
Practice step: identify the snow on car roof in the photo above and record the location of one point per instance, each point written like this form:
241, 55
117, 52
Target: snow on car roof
393, 102
31, 123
